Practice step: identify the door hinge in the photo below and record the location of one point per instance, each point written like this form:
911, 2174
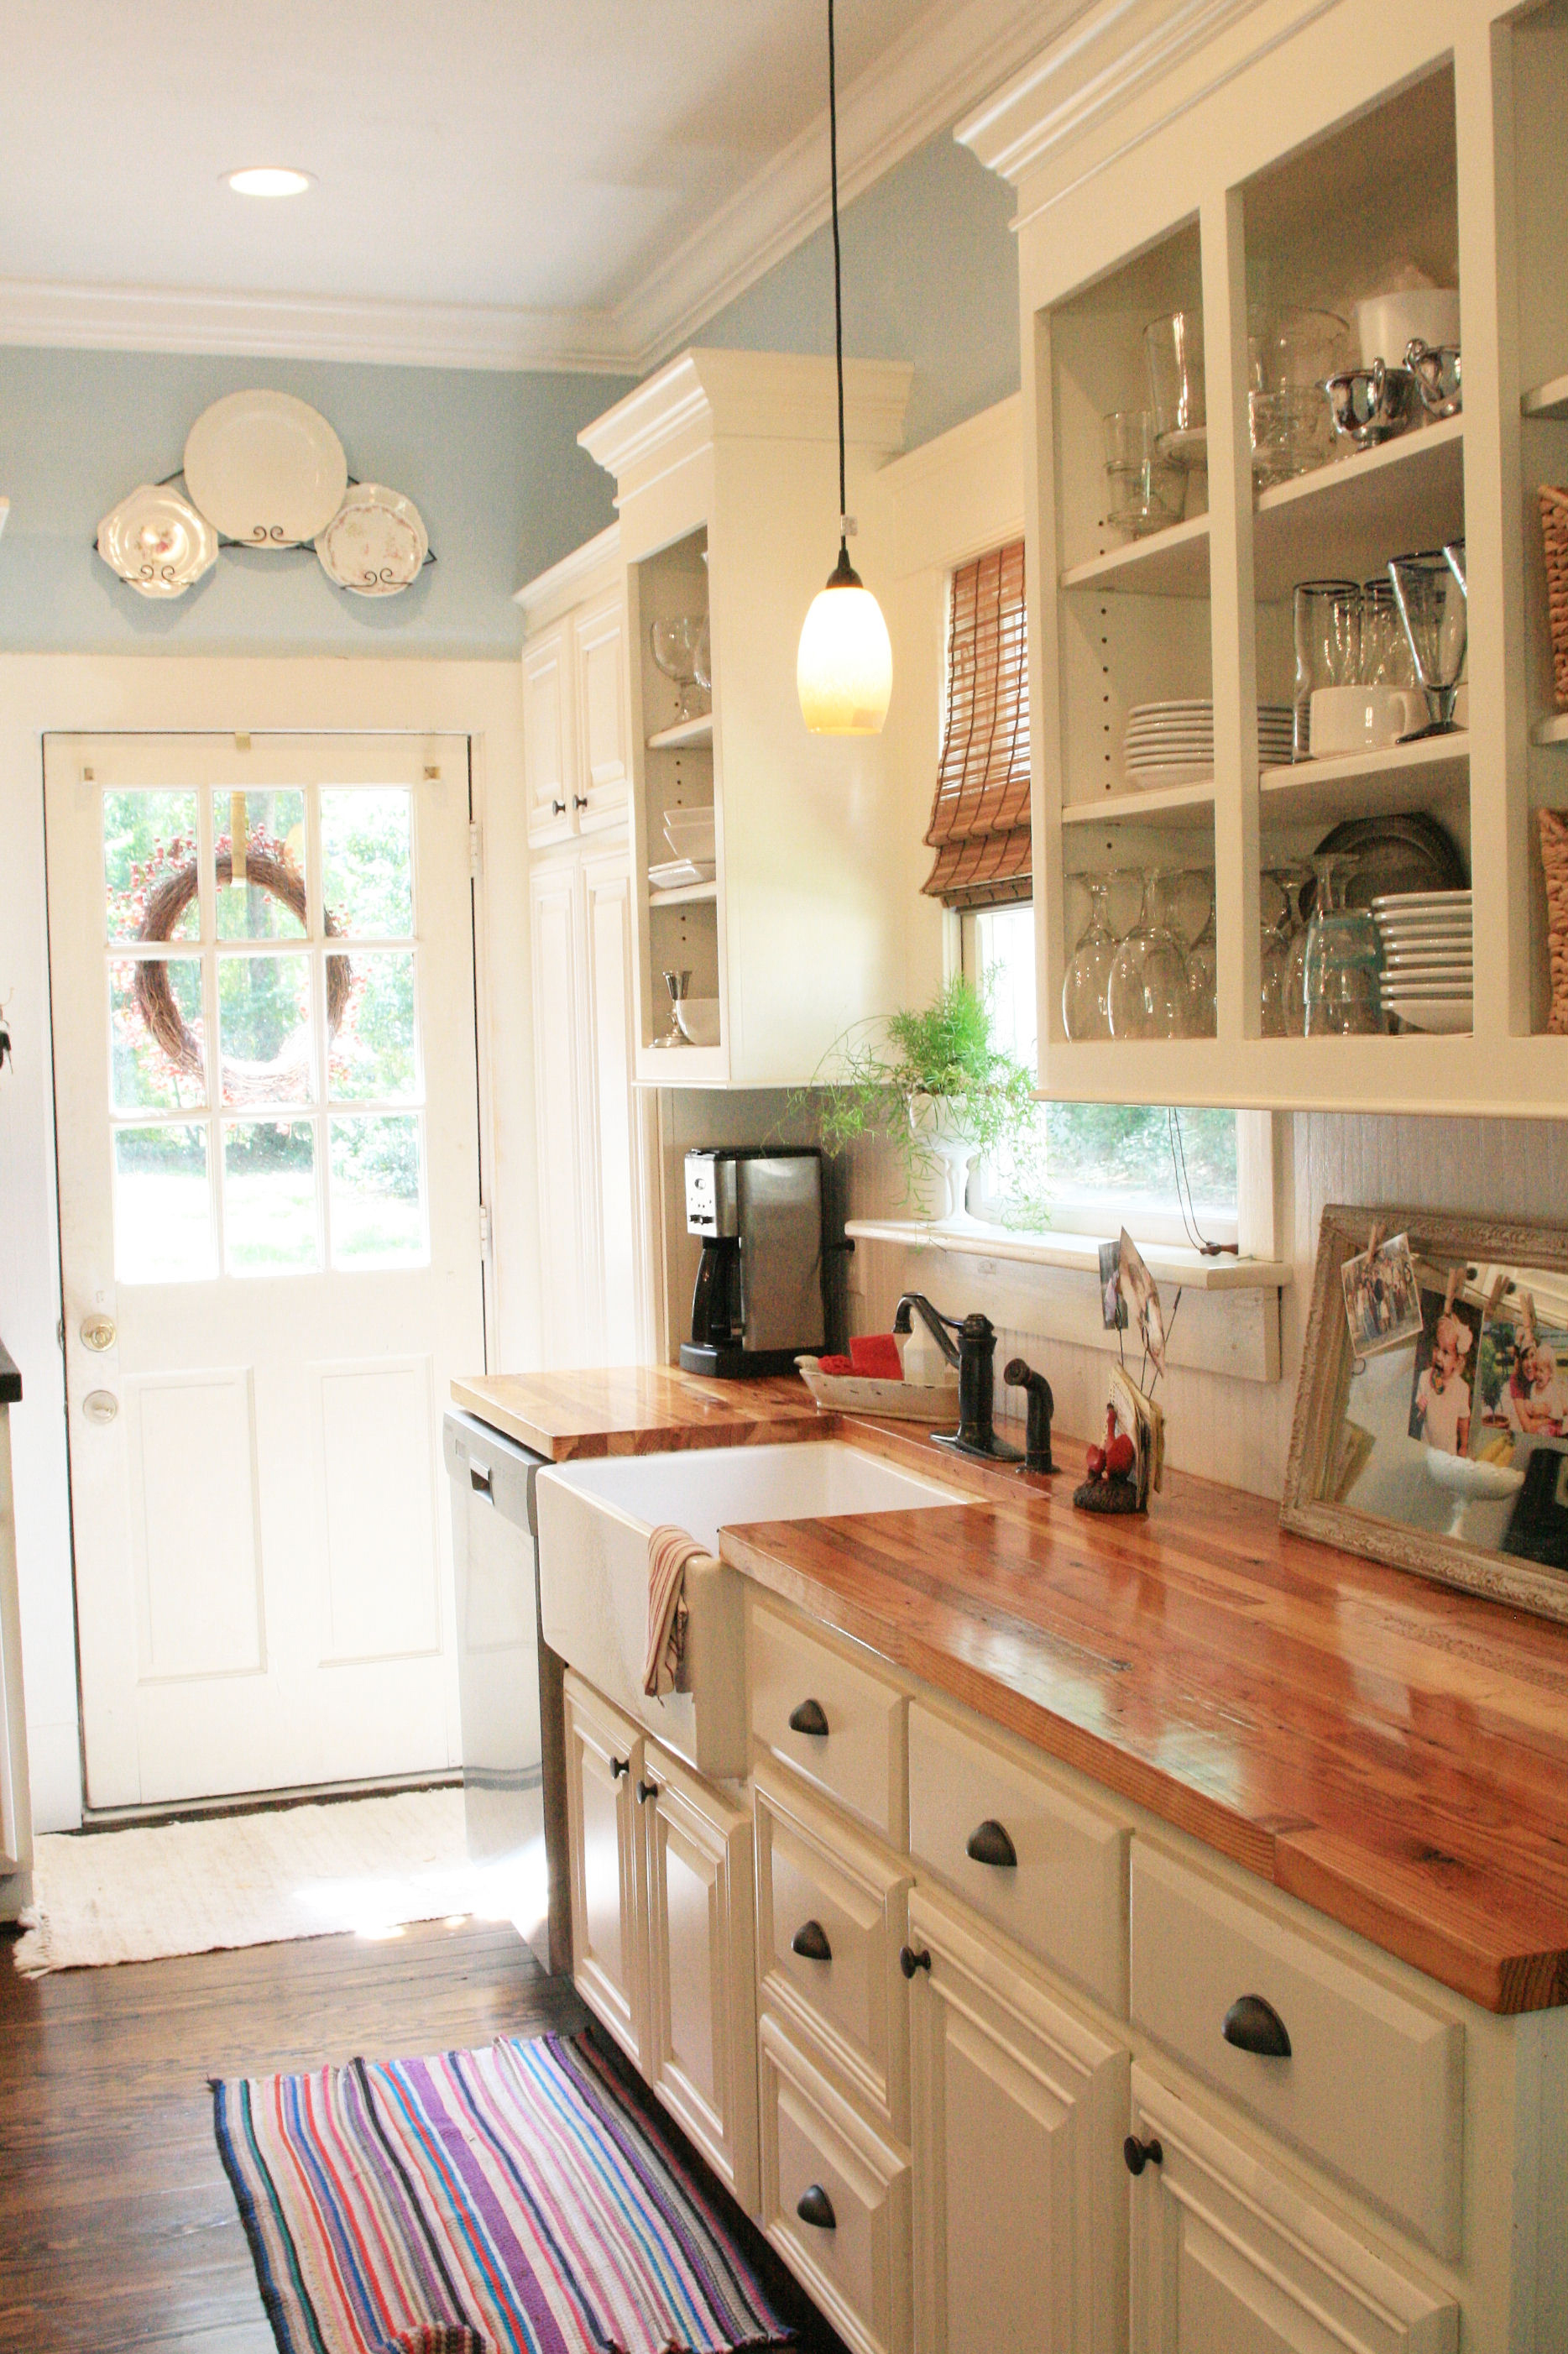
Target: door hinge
485, 1236
475, 849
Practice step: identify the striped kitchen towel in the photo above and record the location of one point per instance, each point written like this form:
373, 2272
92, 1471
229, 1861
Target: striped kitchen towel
512, 2200
669, 1551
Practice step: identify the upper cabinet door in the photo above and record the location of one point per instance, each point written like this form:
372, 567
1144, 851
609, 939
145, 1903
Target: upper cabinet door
604, 751
547, 732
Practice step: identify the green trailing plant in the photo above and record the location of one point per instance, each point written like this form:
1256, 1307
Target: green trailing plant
896, 1076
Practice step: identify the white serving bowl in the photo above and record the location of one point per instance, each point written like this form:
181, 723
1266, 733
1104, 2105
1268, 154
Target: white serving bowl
699, 1018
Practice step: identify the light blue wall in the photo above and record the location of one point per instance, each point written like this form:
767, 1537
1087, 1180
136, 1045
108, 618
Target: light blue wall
491, 461
930, 271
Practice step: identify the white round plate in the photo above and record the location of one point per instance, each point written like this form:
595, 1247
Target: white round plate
1436, 942
375, 543
1395, 902
155, 540
265, 467
1445, 1016
1186, 772
1418, 985
1176, 703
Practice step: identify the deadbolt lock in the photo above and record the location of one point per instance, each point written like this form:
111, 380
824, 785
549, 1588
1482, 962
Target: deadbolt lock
100, 1405
98, 1332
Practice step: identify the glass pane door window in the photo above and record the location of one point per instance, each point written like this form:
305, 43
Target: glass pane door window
265, 1077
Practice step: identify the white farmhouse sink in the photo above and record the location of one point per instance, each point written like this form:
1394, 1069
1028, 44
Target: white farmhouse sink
594, 1519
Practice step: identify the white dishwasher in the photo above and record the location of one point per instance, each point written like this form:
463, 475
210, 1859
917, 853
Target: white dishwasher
505, 1725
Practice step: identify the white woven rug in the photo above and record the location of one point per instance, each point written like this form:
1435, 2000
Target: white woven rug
363, 1864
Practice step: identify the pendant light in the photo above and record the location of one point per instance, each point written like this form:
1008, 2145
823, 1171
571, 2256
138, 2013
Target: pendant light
844, 672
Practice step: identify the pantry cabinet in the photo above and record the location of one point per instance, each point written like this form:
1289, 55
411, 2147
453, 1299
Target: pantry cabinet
660, 1869
1234, 166
596, 1147
789, 923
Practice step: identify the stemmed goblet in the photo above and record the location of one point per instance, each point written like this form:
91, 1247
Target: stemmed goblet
1433, 599
1085, 985
1150, 993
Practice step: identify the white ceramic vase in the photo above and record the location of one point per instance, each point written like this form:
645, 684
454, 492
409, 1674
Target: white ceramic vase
950, 1151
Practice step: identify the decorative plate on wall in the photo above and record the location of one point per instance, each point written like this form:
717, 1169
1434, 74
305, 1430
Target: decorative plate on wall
376, 544
155, 539
265, 467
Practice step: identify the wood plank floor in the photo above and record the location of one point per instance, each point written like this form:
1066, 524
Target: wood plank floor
117, 2226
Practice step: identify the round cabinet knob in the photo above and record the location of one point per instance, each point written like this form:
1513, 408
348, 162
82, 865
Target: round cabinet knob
991, 1844
810, 1717
814, 2206
646, 1790
909, 1961
811, 1942
618, 1767
1139, 2154
98, 1333
100, 1405
579, 801
560, 808
1253, 2025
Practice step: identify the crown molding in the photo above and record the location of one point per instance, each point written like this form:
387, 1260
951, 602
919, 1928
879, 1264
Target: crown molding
707, 395
950, 59
551, 593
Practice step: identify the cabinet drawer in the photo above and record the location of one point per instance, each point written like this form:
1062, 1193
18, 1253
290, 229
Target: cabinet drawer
856, 2268
1374, 2086
859, 1759
820, 1884
1066, 1897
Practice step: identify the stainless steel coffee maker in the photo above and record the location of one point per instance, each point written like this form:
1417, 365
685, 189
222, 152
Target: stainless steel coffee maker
759, 1302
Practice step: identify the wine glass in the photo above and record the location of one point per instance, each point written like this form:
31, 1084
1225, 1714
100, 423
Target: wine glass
1343, 979
1291, 877
1149, 989
674, 643
1087, 983
1202, 967
1273, 952
1431, 592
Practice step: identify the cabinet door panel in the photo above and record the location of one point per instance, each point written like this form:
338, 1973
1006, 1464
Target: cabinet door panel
604, 763
1018, 2116
604, 1763
1227, 2254
547, 737
700, 2048
569, 1318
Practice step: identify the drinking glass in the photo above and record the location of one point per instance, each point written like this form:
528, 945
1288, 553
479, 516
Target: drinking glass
1086, 986
1385, 649
1303, 348
1455, 552
1150, 993
1173, 348
1327, 623
1273, 953
674, 647
1434, 606
1344, 961
1147, 491
1291, 431
1202, 972
1291, 877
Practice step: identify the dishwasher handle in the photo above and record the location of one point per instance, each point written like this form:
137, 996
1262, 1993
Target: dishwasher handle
478, 1478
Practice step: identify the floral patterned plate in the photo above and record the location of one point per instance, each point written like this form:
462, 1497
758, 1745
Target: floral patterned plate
377, 542
155, 540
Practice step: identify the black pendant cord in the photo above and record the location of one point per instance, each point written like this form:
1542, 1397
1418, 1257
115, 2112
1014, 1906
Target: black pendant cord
844, 574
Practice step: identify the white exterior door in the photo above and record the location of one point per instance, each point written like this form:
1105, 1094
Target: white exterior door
265, 1076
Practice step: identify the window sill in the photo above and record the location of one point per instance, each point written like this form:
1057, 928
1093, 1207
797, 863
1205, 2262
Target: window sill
1168, 1263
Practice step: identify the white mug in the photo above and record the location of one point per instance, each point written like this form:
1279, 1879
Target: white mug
1386, 322
1363, 718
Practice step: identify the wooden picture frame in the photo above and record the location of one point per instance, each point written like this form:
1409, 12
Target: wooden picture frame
1510, 1544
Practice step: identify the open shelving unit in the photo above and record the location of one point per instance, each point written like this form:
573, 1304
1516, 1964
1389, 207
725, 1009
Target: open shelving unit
1268, 186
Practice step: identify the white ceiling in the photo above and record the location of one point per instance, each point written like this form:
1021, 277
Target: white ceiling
496, 180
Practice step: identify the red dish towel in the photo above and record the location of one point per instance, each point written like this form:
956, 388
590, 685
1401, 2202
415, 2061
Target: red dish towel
875, 1356
669, 1551
835, 1365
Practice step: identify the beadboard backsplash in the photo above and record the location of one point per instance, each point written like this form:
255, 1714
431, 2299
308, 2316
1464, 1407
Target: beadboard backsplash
1236, 1431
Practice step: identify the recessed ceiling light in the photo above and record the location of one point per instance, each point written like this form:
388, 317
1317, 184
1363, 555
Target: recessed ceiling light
268, 180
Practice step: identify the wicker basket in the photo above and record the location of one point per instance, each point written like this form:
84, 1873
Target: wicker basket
1554, 534
1554, 864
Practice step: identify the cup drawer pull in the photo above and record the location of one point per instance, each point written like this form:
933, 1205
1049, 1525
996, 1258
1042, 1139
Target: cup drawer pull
814, 2206
811, 1942
809, 1717
1253, 2025
991, 1844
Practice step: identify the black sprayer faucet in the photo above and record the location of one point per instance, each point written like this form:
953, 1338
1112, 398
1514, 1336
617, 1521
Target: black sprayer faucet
1041, 1407
973, 1353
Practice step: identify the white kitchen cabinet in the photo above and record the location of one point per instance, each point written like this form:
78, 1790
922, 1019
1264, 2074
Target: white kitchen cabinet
604, 1764
725, 467
699, 2036
1227, 2255
662, 1934
1018, 2115
596, 1148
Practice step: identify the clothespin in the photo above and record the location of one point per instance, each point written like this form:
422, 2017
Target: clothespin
1527, 1317
1374, 1235
1500, 1284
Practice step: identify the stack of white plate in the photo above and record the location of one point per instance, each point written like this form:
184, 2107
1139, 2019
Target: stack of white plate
1173, 743
1428, 958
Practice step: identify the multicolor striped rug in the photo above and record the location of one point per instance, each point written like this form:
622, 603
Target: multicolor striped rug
480, 2202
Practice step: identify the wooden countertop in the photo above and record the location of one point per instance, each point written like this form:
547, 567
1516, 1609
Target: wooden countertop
638, 1410
1392, 1752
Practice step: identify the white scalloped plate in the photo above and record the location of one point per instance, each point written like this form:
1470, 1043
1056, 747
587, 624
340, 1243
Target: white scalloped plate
265, 467
376, 544
155, 540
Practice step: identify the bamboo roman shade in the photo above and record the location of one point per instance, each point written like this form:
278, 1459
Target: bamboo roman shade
979, 820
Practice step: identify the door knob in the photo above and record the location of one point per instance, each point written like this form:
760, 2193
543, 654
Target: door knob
1253, 2025
991, 1844
100, 1405
814, 2206
1139, 2154
98, 1333
809, 1717
811, 1942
